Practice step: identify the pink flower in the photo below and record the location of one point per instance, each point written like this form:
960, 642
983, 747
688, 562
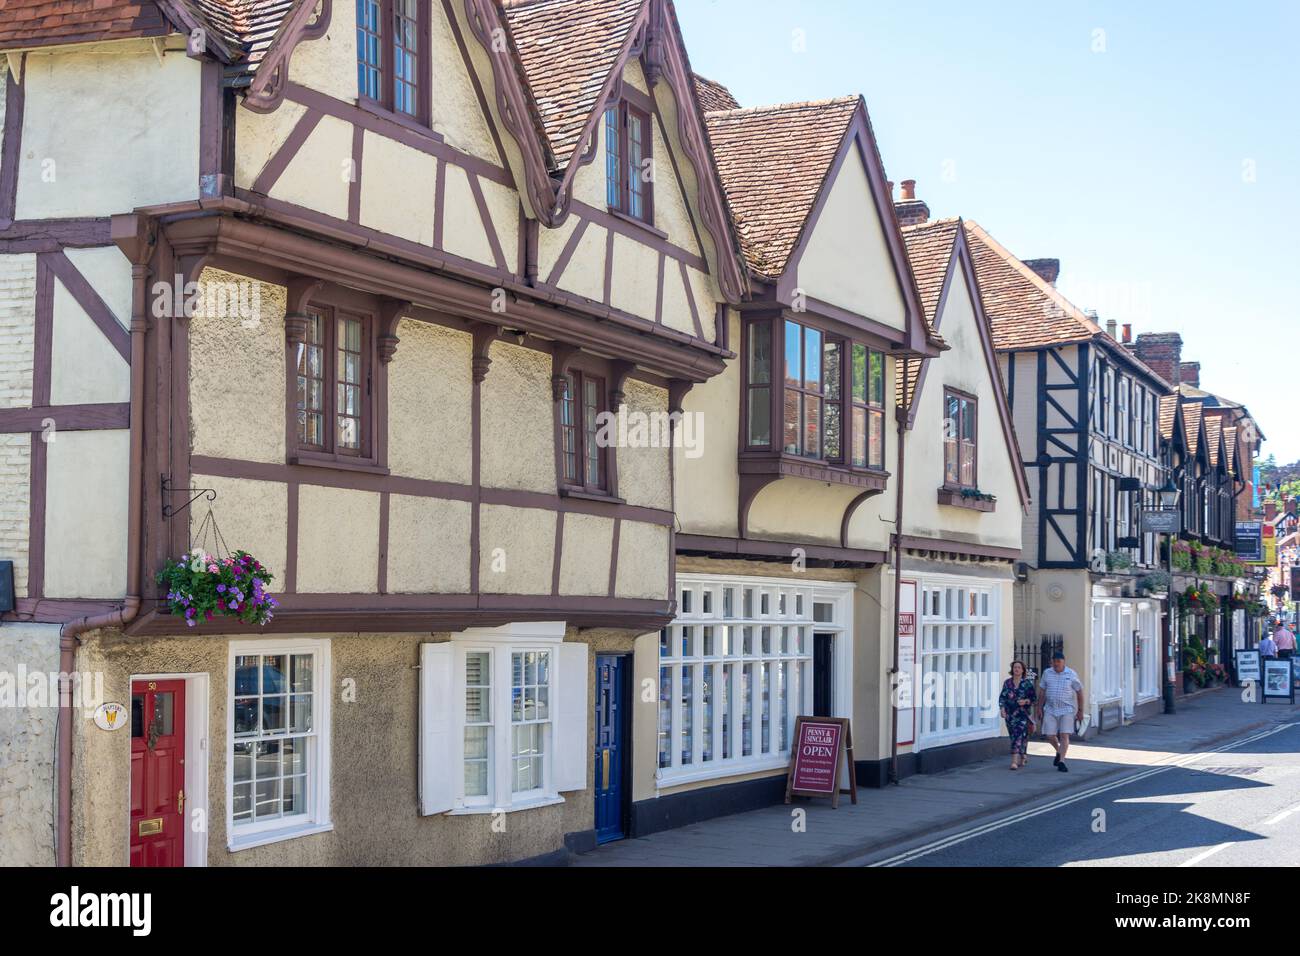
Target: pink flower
212, 568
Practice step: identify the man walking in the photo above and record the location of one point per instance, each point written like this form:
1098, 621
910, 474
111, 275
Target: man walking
1060, 704
1267, 647
1284, 638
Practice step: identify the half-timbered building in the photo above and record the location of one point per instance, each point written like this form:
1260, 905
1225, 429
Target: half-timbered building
784, 606
1085, 412
362, 285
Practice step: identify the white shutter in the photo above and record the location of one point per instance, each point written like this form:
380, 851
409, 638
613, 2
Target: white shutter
571, 745
436, 726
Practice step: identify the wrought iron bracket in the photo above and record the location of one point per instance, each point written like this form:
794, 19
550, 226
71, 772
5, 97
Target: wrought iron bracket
168, 511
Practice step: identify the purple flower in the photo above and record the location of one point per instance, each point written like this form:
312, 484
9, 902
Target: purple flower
189, 612
221, 589
189, 622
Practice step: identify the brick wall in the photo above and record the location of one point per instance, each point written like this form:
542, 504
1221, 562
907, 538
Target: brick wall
17, 329
1162, 351
15, 498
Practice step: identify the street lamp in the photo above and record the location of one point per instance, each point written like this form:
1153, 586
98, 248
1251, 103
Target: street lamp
1169, 495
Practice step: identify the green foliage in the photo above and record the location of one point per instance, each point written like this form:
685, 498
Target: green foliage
201, 586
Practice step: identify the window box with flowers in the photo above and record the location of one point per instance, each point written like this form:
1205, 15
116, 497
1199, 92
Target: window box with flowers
1154, 583
971, 498
201, 587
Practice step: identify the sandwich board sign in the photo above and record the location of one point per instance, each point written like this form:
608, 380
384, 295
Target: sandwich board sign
1248, 666
823, 746
1277, 681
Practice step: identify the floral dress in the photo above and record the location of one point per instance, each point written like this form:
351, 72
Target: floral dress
1009, 701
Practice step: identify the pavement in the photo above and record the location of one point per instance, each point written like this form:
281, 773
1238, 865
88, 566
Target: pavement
891, 819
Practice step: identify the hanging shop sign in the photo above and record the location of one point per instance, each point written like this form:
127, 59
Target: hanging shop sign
823, 746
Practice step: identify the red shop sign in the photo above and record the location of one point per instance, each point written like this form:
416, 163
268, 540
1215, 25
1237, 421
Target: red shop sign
823, 745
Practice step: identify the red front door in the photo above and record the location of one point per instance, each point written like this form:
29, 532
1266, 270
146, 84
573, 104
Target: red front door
158, 773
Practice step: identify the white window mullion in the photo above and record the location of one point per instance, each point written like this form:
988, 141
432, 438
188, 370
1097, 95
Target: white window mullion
501, 726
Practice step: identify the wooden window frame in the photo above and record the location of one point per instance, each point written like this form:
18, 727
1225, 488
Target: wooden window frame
371, 454
386, 103
622, 112
579, 372
775, 326
958, 440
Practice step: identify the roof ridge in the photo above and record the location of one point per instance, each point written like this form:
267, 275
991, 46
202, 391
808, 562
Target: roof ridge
945, 221
775, 107
1072, 310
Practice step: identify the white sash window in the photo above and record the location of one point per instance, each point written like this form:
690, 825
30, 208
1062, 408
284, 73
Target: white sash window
278, 737
503, 719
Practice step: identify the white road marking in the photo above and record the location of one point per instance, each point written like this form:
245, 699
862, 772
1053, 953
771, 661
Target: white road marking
1282, 816
962, 837
1208, 853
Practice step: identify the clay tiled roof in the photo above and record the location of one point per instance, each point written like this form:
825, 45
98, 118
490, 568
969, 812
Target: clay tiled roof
30, 23
773, 161
567, 49
1192, 425
713, 96
929, 249
1168, 412
1213, 434
1027, 312
1230, 447
242, 28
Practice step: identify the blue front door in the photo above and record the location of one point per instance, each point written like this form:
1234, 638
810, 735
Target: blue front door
611, 726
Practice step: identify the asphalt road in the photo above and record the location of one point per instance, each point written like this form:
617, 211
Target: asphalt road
1239, 806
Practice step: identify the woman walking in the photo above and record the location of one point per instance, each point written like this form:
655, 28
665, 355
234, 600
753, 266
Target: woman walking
1015, 701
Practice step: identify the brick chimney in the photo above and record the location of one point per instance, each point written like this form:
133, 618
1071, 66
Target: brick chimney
909, 210
1190, 373
1270, 510
1289, 504
1047, 269
1163, 351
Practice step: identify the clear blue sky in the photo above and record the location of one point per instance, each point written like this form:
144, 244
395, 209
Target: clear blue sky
1153, 147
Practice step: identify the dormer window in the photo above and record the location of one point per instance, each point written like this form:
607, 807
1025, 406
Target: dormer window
393, 63
629, 186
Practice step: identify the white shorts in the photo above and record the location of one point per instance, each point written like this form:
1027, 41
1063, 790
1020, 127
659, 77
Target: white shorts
1054, 724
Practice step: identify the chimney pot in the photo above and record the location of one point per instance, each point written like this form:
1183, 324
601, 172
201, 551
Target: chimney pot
908, 210
1128, 332
1112, 327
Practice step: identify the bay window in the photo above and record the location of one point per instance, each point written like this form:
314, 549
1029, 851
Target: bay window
830, 400
503, 721
277, 757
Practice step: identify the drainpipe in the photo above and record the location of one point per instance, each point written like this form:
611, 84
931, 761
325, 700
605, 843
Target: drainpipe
69, 633
900, 415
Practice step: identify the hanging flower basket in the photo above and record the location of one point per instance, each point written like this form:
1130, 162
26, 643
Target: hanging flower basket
201, 587
1198, 599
